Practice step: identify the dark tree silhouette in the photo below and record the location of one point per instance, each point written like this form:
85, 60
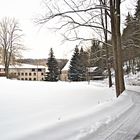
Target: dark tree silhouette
53, 73
74, 74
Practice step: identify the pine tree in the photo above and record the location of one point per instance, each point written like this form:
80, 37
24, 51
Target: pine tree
53, 73
128, 20
74, 74
95, 54
137, 31
83, 57
130, 41
136, 25
137, 12
128, 36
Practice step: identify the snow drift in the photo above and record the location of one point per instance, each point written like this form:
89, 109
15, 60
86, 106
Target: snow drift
117, 119
67, 111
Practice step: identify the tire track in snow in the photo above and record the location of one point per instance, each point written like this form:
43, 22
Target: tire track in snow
124, 127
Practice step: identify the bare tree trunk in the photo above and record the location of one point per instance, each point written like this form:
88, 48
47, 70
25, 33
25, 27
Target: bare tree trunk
116, 42
105, 28
10, 35
119, 48
5, 57
107, 54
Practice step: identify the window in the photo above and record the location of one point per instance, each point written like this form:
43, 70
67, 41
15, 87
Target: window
18, 73
34, 74
30, 79
0, 69
34, 79
22, 73
30, 74
42, 73
26, 78
39, 69
33, 69
22, 78
26, 74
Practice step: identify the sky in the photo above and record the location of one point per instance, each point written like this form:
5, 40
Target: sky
38, 40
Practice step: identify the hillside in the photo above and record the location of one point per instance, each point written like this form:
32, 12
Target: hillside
61, 62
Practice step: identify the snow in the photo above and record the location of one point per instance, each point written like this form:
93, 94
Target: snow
92, 69
133, 79
24, 66
66, 67
37, 110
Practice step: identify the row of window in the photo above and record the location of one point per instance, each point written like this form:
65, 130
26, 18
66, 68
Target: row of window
29, 79
27, 74
39, 70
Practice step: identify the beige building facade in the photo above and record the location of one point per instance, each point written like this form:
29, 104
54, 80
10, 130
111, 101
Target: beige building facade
26, 72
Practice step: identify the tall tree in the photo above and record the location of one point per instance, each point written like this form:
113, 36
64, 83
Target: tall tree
10, 41
53, 74
128, 42
136, 33
95, 58
117, 48
137, 12
74, 74
131, 39
97, 55
104, 22
83, 58
82, 16
137, 26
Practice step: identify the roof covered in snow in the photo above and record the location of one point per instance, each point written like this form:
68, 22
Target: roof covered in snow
92, 69
66, 67
24, 66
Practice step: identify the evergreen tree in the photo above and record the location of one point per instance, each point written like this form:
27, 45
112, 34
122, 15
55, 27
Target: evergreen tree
137, 12
128, 20
95, 54
137, 34
130, 40
83, 57
74, 74
136, 25
53, 73
128, 36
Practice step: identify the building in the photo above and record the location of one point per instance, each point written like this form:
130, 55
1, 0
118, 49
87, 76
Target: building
25, 72
1, 55
64, 72
95, 73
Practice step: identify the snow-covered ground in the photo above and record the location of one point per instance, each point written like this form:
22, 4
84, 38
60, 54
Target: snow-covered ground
32, 110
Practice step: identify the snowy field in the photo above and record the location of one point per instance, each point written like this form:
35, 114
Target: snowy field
32, 110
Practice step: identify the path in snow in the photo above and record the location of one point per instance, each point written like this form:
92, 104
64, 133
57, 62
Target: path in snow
119, 120
126, 127
137, 137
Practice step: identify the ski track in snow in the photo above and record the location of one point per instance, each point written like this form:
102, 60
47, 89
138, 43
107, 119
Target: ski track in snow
28, 110
110, 123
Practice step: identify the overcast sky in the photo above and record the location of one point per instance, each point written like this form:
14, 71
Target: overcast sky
39, 41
